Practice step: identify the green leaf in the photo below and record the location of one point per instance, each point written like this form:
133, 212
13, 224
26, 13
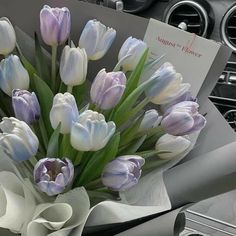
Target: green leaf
45, 97
129, 133
42, 61
133, 146
123, 111
28, 66
66, 150
53, 144
134, 78
80, 93
99, 160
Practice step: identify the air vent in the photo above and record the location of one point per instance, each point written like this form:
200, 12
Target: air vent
189, 16
228, 28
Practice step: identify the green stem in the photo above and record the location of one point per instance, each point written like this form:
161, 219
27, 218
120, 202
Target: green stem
54, 62
37, 133
78, 158
153, 165
2, 113
147, 154
33, 160
69, 89
43, 132
94, 184
102, 195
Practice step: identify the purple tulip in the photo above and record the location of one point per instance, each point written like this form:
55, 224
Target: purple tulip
122, 173
55, 25
183, 118
107, 89
26, 106
53, 175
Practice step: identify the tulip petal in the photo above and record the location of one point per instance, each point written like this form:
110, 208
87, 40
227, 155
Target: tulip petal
80, 138
172, 145
177, 123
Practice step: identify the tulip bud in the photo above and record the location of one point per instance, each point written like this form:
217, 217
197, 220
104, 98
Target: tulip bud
91, 132
18, 140
133, 47
53, 175
25, 106
73, 66
55, 25
183, 118
96, 38
7, 36
150, 120
122, 173
168, 85
64, 111
172, 146
13, 75
107, 89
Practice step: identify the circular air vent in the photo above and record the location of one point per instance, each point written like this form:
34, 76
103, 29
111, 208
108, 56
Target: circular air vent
228, 28
189, 16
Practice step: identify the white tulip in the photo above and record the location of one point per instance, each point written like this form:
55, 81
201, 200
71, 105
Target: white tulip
7, 36
168, 85
96, 38
13, 75
91, 132
18, 140
150, 120
73, 66
132, 50
64, 111
172, 145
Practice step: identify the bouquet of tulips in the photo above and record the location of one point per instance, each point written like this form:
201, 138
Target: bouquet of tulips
75, 141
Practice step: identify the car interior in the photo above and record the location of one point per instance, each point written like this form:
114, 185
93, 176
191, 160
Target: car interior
214, 20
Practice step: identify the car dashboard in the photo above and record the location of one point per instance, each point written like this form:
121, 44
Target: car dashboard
211, 19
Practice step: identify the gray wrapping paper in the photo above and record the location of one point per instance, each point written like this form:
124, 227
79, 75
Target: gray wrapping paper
159, 226
188, 182
203, 177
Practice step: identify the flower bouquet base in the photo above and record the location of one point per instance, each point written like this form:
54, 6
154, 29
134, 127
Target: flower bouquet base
156, 202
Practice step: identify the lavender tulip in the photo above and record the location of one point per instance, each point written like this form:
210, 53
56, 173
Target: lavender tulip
183, 118
55, 25
25, 106
64, 111
134, 49
91, 132
107, 89
122, 173
172, 146
168, 85
73, 66
53, 175
150, 120
13, 75
186, 96
96, 38
18, 140
7, 36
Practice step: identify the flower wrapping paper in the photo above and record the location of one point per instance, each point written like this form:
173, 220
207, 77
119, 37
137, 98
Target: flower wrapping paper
156, 198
